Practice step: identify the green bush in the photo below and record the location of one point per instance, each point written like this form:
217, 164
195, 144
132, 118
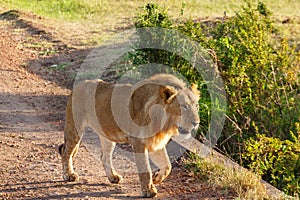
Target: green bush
255, 67
260, 71
154, 16
261, 75
277, 161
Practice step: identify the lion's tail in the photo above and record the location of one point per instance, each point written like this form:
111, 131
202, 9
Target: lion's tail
61, 149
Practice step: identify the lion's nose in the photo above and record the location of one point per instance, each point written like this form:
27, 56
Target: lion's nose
196, 126
195, 123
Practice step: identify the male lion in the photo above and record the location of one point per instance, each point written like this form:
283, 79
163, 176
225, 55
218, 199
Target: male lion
146, 115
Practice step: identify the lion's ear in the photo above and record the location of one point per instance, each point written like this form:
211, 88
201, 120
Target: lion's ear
194, 88
167, 93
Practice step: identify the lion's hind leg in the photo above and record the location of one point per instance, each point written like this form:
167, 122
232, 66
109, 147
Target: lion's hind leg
68, 151
106, 157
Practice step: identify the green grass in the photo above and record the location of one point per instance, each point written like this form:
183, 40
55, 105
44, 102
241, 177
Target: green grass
88, 9
244, 184
91, 21
88, 22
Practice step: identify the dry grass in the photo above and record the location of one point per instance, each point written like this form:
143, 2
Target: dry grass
245, 184
89, 22
105, 18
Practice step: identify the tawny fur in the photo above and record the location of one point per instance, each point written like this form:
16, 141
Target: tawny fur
158, 106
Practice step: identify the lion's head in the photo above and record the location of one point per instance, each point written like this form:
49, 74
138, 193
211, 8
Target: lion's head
179, 102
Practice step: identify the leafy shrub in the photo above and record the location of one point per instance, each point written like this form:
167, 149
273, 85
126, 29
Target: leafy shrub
277, 161
260, 71
255, 68
154, 16
261, 75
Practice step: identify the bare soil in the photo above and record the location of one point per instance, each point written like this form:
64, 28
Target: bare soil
33, 94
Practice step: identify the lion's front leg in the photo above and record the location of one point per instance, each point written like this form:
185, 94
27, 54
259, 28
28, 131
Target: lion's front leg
144, 171
161, 159
106, 157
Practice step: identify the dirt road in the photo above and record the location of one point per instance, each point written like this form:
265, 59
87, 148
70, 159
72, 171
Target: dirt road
33, 96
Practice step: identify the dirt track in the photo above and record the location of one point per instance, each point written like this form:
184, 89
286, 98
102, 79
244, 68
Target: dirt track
32, 103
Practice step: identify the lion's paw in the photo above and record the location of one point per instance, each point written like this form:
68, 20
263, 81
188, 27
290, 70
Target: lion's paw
71, 177
115, 178
149, 192
157, 177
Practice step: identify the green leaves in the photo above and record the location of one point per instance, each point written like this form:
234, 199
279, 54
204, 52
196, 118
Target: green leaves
261, 73
254, 64
276, 160
153, 16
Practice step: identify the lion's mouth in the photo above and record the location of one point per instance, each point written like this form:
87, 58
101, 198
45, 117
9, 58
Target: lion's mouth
183, 130
186, 131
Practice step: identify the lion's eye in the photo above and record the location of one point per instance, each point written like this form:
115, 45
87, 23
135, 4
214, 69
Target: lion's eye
184, 107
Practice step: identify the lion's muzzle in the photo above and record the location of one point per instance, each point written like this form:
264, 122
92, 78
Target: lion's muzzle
189, 130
